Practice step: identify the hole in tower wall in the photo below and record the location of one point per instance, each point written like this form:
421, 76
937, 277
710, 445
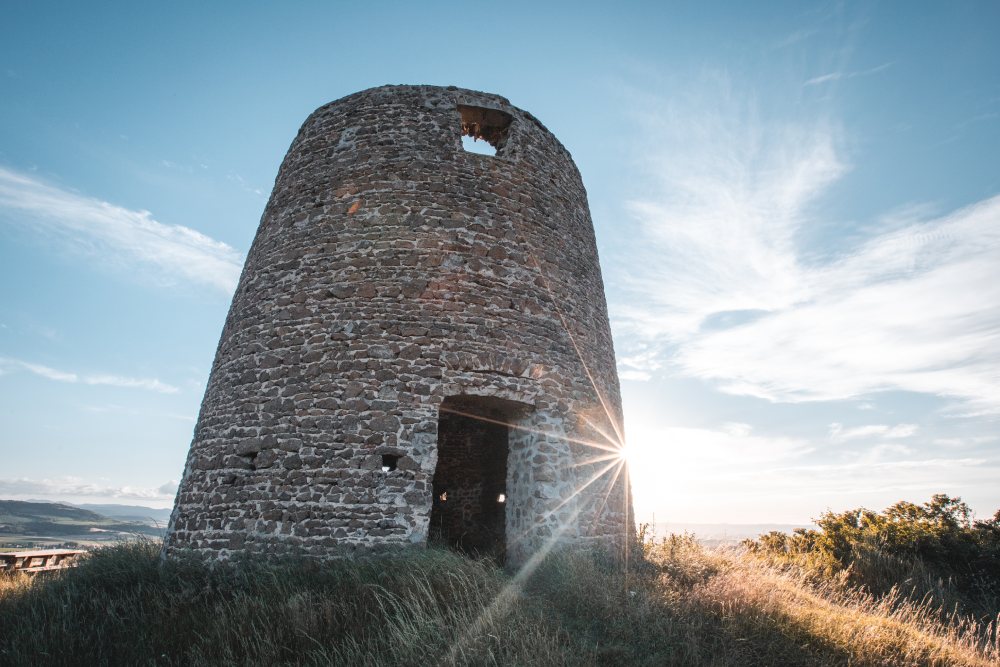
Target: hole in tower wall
484, 131
471, 145
470, 482
389, 462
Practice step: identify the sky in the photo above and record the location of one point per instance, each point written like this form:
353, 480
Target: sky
797, 209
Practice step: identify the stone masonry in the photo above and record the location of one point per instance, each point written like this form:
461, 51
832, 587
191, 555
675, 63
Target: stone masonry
396, 279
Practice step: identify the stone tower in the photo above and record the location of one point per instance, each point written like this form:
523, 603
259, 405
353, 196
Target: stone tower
418, 349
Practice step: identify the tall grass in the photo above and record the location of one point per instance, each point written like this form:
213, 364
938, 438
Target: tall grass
122, 607
678, 605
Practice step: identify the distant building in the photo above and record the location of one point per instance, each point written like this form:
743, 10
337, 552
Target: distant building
418, 348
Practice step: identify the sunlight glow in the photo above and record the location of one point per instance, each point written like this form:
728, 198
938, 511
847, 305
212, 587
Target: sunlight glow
613, 456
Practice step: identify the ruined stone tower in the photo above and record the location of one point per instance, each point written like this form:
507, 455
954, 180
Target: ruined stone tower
418, 349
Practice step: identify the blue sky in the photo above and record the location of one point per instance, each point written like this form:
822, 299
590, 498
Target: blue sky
796, 208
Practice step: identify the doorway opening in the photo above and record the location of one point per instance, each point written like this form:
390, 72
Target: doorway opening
469, 513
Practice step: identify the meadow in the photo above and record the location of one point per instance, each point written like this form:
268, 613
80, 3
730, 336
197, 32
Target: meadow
914, 585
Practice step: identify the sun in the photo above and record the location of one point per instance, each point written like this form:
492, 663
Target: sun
626, 454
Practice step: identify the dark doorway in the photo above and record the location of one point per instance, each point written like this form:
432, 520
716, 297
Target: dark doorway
470, 481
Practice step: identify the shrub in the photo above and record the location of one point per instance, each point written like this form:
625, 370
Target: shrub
931, 549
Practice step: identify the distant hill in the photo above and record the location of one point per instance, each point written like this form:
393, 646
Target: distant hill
131, 513
41, 519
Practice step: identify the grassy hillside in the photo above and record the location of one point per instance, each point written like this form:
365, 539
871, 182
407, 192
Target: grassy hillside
679, 605
38, 519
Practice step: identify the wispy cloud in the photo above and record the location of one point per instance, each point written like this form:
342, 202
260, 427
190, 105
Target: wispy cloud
795, 37
242, 182
109, 408
979, 118
25, 326
149, 384
737, 429
837, 76
717, 239
839, 433
916, 309
118, 235
967, 441
43, 371
731, 290
62, 488
885, 452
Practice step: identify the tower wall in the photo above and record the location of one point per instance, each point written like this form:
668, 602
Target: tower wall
393, 269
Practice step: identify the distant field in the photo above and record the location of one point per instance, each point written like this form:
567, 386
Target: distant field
721, 534
30, 524
21, 542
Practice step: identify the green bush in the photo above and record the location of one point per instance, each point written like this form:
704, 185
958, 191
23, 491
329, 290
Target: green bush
933, 549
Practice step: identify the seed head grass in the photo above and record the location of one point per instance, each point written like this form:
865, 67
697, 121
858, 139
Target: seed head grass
677, 603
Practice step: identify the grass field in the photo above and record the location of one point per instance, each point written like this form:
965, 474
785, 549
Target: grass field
680, 604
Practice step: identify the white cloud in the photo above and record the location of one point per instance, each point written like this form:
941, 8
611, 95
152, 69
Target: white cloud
795, 37
168, 489
116, 234
916, 309
968, 441
246, 187
149, 384
885, 452
43, 371
630, 374
839, 433
76, 488
737, 429
152, 384
837, 76
730, 291
113, 408
719, 236
901, 431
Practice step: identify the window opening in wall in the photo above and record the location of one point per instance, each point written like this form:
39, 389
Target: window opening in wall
389, 462
484, 131
470, 482
473, 145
